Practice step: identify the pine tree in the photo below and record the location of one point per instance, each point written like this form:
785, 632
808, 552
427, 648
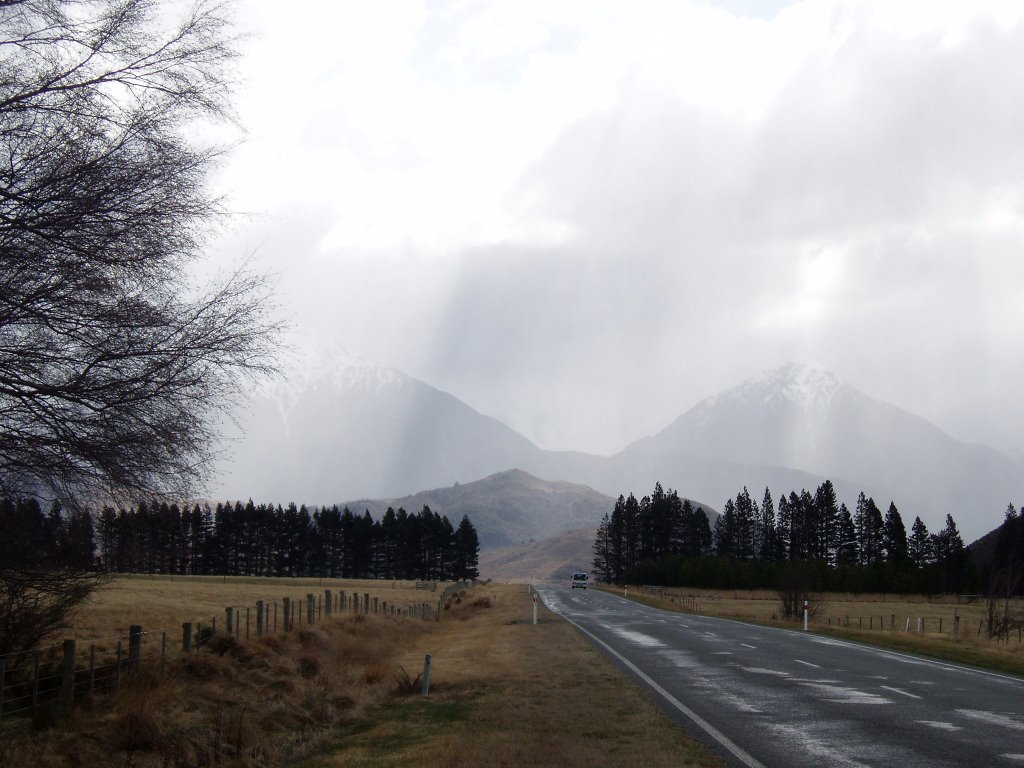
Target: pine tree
725, 530
894, 539
870, 530
827, 513
745, 526
601, 563
467, 550
631, 519
704, 541
846, 538
617, 533
767, 538
919, 545
784, 530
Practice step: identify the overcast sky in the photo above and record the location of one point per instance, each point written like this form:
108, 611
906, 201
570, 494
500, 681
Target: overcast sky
581, 218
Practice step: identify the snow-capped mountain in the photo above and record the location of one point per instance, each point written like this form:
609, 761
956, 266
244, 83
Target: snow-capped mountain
805, 418
340, 427
344, 428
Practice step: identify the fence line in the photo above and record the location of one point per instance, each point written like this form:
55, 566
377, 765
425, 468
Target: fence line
60, 674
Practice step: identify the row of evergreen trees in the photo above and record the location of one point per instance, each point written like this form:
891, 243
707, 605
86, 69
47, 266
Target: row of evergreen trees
243, 540
654, 527
657, 539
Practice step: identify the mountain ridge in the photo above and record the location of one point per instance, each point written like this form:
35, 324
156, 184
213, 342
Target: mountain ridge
360, 430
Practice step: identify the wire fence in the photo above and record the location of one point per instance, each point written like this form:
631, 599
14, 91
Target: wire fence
58, 675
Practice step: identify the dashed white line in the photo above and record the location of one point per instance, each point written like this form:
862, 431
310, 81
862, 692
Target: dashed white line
902, 693
807, 663
940, 725
992, 717
754, 647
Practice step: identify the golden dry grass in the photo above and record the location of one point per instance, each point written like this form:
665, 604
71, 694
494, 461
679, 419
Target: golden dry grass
869, 617
503, 693
508, 693
164, 603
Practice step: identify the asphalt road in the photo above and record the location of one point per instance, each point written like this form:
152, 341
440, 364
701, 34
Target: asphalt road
759, 696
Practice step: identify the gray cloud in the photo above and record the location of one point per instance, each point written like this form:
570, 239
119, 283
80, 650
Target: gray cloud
690, 228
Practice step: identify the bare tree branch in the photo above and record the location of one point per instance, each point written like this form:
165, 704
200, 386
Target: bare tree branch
113, 365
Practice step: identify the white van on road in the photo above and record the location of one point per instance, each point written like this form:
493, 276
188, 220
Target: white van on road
579, 579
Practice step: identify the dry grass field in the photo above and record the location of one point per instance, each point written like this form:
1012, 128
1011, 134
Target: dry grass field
910, 622
344, 692
159, 603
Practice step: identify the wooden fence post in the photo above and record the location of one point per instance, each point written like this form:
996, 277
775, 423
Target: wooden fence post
375, 605
328, 604
310, 608
259, 618
117, 668
186, 637
35, 679
134, 645
286, 604
67, 674
366, 602
230, 618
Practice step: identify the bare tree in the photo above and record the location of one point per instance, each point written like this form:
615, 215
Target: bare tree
114, 363
35, 603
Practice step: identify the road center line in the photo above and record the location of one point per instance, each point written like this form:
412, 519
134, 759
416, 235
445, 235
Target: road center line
897, 690
807, 663
754, 647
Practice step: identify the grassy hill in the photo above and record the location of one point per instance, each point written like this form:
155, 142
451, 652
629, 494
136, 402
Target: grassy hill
506, 508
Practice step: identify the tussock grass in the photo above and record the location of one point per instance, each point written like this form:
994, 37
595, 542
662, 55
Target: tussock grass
346, 692
507, 693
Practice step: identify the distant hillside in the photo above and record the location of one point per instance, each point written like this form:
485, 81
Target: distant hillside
342, 427
510, 507
552, 559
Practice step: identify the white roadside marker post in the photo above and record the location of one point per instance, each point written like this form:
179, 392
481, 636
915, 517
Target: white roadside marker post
535, 610
807, 605
426, 675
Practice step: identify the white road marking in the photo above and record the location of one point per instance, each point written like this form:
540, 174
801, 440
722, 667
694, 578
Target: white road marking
940, 725
711, 634
753, 647
803, 738
1015, 758
638, 638
807, 663
897, 690
763, 671
992, 717
738, 752
840, 694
